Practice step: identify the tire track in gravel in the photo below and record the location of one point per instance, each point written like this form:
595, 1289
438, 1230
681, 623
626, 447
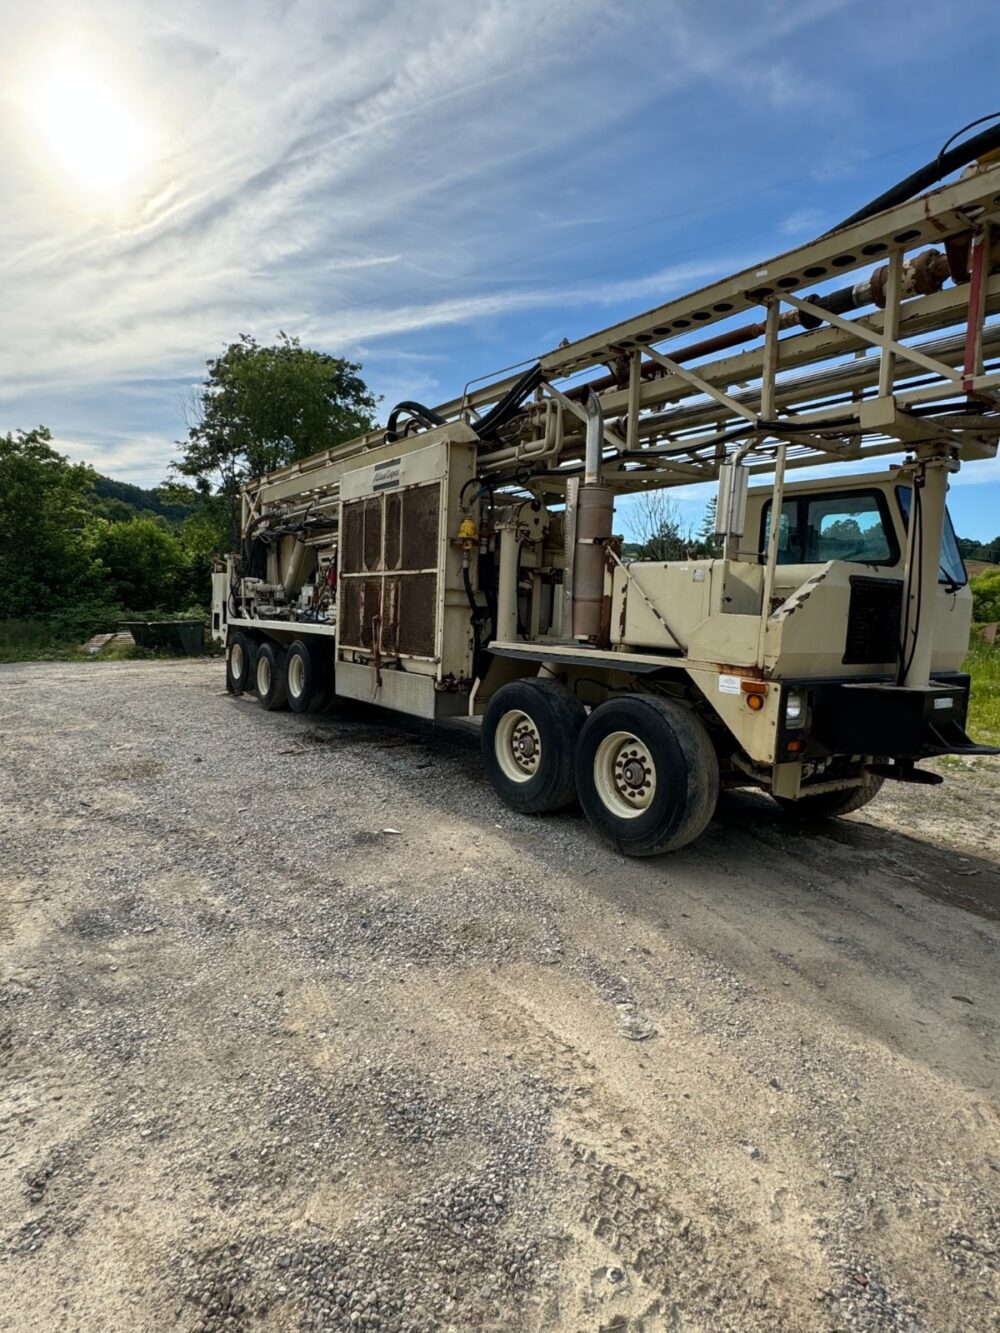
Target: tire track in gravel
269, 1067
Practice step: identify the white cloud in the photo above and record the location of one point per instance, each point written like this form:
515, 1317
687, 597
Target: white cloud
128, 458
356, 173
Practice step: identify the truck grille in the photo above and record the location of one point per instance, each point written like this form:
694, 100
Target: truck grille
873, 620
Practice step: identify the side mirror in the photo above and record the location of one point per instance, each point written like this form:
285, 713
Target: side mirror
731, 507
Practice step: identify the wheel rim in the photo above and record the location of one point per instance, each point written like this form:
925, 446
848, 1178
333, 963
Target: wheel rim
517, 746
296, 676
624, 775
236, 660
263, 675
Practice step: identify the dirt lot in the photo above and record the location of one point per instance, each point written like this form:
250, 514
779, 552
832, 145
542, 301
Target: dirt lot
300, 1028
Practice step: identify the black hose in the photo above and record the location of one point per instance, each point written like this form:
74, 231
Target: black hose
947, 161
506, 407
485, 488
426, 415
487, 426
479, 616
789, 426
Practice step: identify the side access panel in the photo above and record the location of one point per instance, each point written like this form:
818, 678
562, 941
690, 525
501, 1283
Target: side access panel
403, 634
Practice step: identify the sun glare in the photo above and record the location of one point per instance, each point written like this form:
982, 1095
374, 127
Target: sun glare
96, 140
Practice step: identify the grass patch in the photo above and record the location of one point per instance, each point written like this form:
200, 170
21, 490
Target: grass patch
983, 665
61, 638
35, 641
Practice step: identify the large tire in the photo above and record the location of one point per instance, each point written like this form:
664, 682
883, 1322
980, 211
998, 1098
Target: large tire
305, 677
832, 804
272, 690
239, 663
529, 735
647, 774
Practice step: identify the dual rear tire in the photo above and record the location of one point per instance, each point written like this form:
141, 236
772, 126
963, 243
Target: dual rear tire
643, 768
529, 735
306, 677
240, 657
291, 676
271, 681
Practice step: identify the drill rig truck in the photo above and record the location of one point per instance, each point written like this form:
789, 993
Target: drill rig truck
463, 560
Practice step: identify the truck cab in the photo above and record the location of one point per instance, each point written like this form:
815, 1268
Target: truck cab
851, 533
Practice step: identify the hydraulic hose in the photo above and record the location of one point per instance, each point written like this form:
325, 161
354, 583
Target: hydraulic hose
947, 161
426, 415
487, 426
502, 411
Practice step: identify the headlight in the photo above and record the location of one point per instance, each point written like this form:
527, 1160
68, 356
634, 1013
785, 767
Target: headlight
795, 708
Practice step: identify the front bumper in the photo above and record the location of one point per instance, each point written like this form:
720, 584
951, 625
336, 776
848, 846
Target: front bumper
866, 717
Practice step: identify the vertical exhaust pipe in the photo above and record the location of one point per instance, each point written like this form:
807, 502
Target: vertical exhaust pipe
594, 447
591, 523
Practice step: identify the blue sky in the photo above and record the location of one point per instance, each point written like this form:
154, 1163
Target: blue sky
434, 188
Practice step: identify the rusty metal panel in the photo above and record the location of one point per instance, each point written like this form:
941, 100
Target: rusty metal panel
373, 532
350, 611
417, 614
382, 534
350, 544
361, 602
421, 523
393, 528
371, 607
390, 616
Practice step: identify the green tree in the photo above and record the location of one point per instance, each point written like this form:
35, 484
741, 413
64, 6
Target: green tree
261, 407
708, 543
986, 597
657, 527
145, 564
45, 561
973, 550
115, 511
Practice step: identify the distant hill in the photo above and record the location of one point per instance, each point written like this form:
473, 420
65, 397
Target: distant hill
111, 495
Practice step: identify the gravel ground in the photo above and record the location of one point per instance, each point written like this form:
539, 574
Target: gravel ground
300, 1028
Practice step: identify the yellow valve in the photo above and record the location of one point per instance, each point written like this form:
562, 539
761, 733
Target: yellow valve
468, 533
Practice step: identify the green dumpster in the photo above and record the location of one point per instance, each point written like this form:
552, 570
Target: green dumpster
186, 636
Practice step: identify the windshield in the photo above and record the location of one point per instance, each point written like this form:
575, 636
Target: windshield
845, 525
952, 565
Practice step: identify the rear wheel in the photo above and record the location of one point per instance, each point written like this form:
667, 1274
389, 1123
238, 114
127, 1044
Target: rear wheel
529, 735
272, 689
239, 663
647, 774
832, 804
305, 677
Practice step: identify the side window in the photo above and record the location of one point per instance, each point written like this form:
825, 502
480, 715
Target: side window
789, 546
845, 525
952, 564
848, 527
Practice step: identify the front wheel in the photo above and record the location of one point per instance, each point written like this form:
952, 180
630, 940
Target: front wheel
529, 734
832, 804
647, 774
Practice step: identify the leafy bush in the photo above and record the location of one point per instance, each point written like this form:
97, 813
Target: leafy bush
58, 635
983, 665
45, 560
145, 564
986, 596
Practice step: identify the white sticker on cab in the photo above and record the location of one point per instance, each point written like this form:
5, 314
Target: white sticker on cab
729, 684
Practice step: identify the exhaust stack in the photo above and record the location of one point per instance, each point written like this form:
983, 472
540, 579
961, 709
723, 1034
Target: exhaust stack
591, 522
